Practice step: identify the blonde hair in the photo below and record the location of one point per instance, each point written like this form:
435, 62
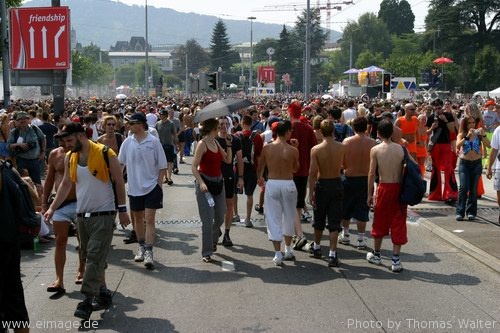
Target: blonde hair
361, 110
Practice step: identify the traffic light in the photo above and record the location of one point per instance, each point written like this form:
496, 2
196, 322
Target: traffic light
386, 83
212, 80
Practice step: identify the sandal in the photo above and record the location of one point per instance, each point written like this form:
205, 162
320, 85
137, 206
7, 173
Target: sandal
54, 288
207, 259
79, 279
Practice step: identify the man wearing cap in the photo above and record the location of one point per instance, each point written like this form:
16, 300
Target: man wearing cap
28, 144
144, 157
86, 166
441, 124
167, 133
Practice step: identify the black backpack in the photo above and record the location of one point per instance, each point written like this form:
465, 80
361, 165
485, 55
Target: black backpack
23, 208
247, 147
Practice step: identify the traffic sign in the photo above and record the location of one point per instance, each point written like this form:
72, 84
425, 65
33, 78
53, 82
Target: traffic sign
40, 38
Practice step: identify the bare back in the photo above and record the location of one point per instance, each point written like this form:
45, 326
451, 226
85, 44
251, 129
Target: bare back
328, 157
388, 157
357, 156
110, 142
281, 159
188, 121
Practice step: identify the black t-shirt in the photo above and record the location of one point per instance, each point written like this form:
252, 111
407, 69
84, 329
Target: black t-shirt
444, 137
49, 130
227, 169
374, 120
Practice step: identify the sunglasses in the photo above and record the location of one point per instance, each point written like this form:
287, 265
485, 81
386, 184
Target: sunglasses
134, 122
110, 124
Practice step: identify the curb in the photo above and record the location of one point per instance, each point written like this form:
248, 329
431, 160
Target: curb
473, 251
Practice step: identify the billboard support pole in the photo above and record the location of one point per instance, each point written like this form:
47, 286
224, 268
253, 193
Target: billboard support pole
5, 57
58, 89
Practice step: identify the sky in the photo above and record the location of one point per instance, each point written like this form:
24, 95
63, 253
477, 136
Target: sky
281, 11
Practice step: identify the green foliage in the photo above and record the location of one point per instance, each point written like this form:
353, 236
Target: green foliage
221, 54
368, 58
286, 55
487, 68
259, 49
198, 58
397, 15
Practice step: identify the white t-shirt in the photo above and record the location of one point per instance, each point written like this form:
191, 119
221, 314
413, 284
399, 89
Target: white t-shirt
349, 114
495, 143
151, 119
144, 160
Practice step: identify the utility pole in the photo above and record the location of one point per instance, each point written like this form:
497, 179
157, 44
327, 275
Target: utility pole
5, 57
250, 76
307, 65
146, 64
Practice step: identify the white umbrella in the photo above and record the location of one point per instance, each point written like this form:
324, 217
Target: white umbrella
220, 108
326, 96
121, 96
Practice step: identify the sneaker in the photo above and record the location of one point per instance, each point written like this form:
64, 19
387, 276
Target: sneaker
236, 218
459, 218
300, 243
289, 256
170, 182
139, 257
278, 261
361, 244
344, 239
471, 217
396, 267
316, 252
259, 209
103, 301
148, 259
248, 223
226, 241
132, 238
175, 171
333, 262
373, 259
84, 310
305, 216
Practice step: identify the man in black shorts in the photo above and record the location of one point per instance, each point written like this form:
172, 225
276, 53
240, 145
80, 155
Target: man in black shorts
232, 180
167, 133
356, 166
326, 191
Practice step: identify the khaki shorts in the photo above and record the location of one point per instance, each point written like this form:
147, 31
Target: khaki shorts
496, 180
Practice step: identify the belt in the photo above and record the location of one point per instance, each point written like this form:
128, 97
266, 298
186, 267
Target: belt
94, 214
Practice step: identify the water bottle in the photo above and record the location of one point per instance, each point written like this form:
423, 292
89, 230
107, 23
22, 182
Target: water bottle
36, 244
210, 199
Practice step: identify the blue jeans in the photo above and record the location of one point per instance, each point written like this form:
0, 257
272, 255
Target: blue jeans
468, 173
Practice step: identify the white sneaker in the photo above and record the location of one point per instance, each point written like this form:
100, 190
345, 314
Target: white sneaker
373, 259
397, 267
289, 256
305, 216
344, 239
361, 244
278, 261
148, 259
139, 257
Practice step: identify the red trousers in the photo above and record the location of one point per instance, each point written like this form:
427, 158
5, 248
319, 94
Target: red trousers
442, 161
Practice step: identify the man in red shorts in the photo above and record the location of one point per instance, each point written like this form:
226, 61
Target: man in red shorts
389, 213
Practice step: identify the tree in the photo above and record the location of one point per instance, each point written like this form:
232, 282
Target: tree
198, 58
284, 55
94, 53
487, 68
221, 54
368, 58
10, 4
260, 49
397, 15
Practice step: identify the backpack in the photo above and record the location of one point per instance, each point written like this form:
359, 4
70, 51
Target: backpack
38, 132
341, 135
413, 186
247, 147
22, 206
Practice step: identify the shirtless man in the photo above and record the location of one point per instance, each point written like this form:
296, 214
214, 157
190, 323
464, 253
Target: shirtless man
356, 165
111, 138
281, 160
325, 190
63, 217
389, 212
409, 124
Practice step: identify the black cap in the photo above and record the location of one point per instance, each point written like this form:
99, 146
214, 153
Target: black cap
138, 117
69, 129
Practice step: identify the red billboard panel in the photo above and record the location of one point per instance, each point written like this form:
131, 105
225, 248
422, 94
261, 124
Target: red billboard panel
40, 38
266, 74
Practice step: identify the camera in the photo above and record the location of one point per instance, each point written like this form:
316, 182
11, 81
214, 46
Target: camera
477, 132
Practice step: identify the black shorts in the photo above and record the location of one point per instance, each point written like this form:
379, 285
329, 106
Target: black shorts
301, 185
169, 152
329, 195
181, 137
152, 200
229, 186
12, 304
249, 179
355, 198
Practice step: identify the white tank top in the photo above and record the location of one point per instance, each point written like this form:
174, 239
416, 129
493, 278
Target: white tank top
92, 195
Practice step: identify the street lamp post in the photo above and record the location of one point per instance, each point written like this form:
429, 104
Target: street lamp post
250, 77
307, 65
146, 64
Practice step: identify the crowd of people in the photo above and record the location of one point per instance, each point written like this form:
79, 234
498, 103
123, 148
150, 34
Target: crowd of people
343, 157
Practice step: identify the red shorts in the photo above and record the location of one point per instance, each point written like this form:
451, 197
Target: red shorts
389, 214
